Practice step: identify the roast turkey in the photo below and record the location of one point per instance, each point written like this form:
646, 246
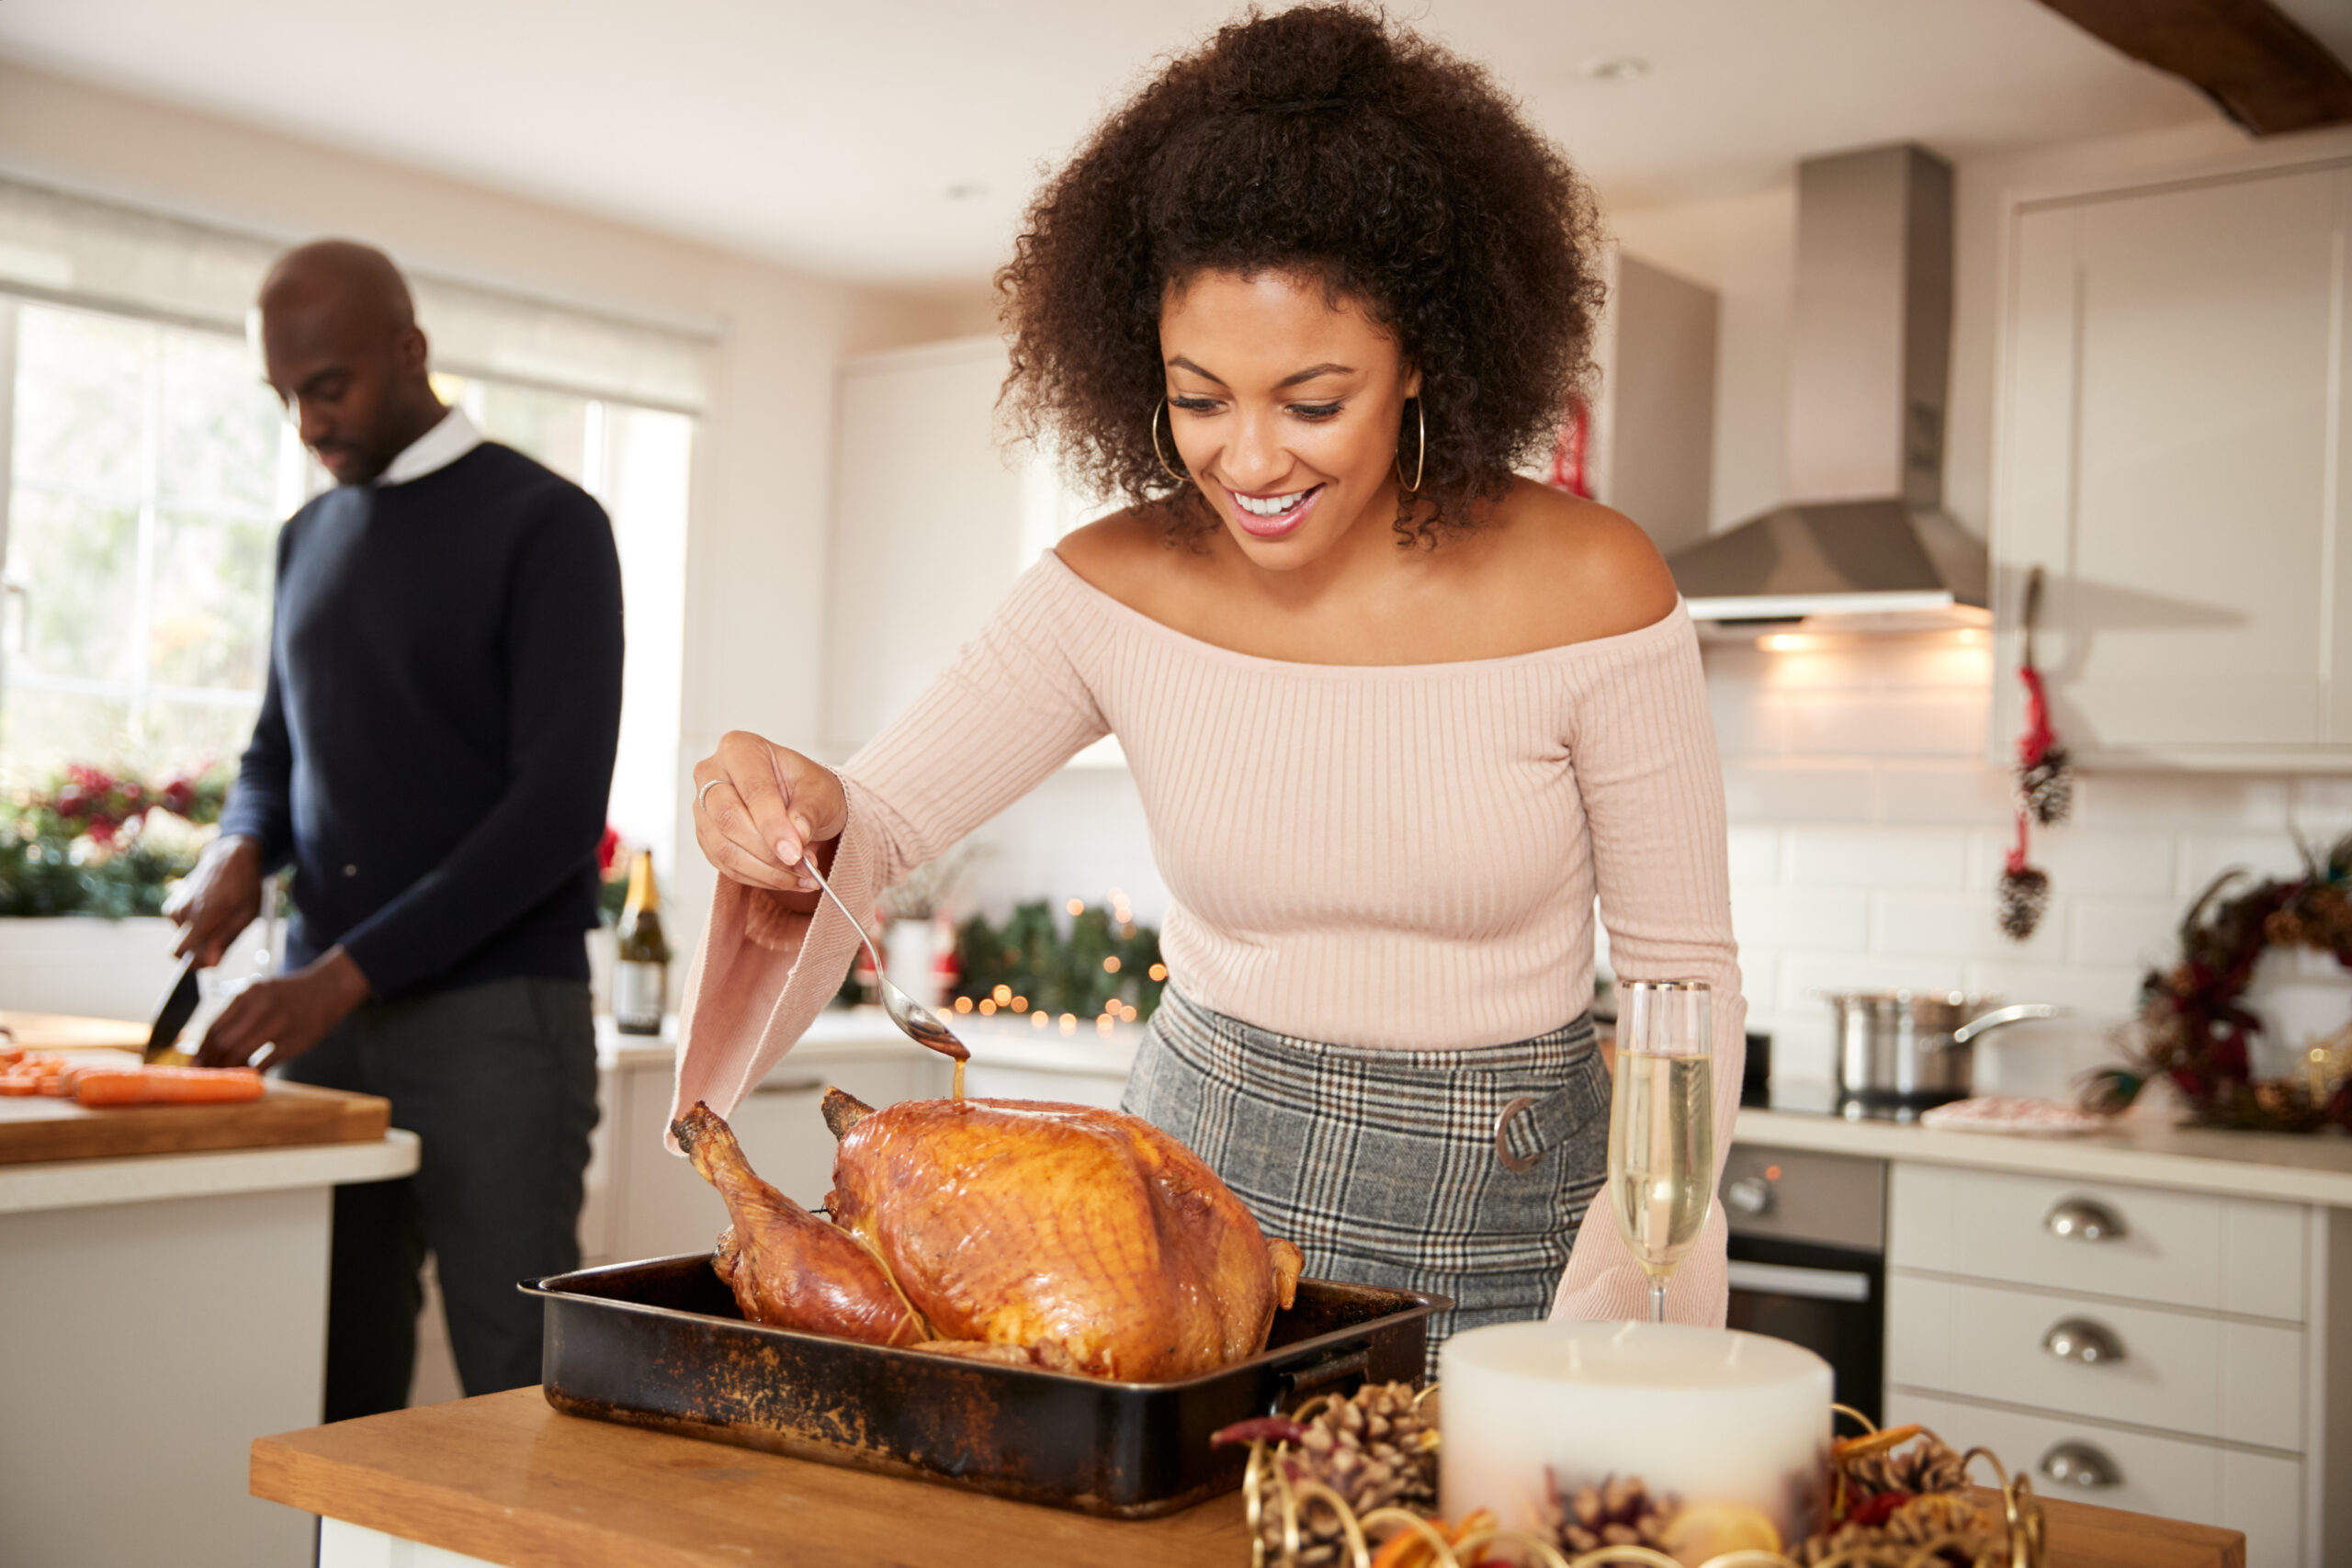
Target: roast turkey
1064, 1236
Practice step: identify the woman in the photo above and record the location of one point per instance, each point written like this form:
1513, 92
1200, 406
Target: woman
1395, 715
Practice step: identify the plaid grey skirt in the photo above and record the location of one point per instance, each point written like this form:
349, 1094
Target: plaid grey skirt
1381, 1165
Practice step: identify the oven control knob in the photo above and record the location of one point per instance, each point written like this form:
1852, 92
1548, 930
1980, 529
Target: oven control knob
1749, 1195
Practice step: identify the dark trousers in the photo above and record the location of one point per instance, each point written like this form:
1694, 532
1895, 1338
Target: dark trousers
499, 1083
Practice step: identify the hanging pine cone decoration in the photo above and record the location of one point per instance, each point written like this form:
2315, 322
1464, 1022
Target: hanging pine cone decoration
1374, 1450
1620, 1511
2024, 895
2046, 787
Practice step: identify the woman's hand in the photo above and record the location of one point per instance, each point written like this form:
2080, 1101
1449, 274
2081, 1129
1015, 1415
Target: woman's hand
759, 807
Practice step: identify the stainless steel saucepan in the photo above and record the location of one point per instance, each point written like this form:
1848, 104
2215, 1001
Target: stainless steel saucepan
1915, 1048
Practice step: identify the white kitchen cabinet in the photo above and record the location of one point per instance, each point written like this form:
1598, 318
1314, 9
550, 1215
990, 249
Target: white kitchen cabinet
2221, 1391
1653, 431
933, 519
2171, 435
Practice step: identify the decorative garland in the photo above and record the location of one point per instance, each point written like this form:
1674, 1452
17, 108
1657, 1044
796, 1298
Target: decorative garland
2195, 1028
94, 843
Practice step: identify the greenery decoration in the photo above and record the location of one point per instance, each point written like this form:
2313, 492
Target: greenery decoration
92, 842
1101, 959
2194, 1027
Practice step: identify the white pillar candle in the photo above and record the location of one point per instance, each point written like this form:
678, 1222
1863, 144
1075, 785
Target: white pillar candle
1702, 1415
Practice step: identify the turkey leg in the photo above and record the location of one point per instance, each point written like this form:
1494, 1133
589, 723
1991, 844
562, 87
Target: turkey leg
787, 1266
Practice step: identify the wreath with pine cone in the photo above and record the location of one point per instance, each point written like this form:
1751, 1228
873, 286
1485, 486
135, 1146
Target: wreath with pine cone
2194, 1027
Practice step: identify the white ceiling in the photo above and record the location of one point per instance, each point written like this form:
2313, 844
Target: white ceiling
829, 136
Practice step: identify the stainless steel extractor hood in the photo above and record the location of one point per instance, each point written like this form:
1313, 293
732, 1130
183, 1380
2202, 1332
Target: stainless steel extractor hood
1862, 535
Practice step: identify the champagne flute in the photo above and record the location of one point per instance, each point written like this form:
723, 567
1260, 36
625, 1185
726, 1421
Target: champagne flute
1662, 1124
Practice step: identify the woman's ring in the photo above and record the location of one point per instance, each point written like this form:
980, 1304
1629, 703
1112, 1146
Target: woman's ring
703, 793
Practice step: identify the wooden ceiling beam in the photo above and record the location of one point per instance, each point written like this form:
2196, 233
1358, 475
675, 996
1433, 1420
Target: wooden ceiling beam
2254, 61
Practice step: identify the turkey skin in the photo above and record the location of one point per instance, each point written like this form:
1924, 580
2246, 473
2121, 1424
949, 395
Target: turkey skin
1063, 1236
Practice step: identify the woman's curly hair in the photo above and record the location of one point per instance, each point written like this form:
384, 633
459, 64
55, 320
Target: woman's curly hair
1322, 139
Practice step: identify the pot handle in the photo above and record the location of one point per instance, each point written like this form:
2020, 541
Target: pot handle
1294, 1382
1999, 1016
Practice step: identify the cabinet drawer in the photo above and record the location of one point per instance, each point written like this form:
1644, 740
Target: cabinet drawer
2196, 1375
2169, 1477
2179, 1248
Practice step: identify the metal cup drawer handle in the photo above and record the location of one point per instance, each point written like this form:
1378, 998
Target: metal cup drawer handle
2079, 1464
2081, 1340
2080, 1218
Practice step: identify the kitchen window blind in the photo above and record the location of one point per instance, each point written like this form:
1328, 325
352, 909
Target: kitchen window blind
73, 249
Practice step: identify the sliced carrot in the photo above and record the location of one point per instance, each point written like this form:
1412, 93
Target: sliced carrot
166, 1086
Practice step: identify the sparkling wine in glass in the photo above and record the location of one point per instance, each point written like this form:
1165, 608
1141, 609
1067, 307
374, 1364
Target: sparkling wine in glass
1662, 1124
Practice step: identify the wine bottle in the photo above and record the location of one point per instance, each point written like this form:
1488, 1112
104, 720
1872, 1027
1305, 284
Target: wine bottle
642, 976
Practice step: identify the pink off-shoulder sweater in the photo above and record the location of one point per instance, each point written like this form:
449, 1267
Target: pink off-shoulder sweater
1400, 856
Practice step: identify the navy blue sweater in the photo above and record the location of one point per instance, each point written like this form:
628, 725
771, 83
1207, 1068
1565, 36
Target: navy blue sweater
434, 749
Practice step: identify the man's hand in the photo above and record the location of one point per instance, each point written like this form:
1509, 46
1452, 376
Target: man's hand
219, 899
291, 1013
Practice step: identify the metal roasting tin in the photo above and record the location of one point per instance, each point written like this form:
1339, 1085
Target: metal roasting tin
660, 1344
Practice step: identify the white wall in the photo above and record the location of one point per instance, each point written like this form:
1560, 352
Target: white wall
755, 564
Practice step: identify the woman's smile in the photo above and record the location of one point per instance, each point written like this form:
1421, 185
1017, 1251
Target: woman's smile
1273, 517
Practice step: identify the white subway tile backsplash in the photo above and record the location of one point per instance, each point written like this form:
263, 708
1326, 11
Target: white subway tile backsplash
2097, 994
2083, 861
1759, 981
1801, 918
2208, 802
1943, 792
1747, 724
2323, 807
2204, 856
1959, 925
1805, 976
1876, 857
1869, 833
1755, 856
2138, 931
1910, 723
1797, 791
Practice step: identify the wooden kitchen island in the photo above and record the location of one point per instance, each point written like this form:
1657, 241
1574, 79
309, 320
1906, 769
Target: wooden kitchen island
504, 1479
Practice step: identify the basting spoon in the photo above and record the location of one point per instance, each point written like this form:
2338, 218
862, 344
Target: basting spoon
916, 1022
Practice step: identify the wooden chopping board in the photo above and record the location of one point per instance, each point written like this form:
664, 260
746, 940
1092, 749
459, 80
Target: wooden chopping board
36, 1127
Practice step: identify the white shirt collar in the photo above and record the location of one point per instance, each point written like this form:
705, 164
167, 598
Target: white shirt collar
449, 439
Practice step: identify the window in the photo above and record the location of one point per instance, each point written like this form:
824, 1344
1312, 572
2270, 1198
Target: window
147, 470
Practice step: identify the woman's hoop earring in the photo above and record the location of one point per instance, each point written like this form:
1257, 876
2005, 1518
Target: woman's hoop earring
1420, 455
1157, 451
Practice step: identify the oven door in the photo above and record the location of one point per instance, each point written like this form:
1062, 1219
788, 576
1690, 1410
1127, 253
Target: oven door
1831, 1300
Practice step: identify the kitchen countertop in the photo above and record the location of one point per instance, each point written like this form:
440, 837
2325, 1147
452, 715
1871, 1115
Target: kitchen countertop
2313, 1168
850, 1031
2296, 1168
506, 1479
79, 1183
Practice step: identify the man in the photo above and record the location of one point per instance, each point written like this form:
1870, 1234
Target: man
434, 755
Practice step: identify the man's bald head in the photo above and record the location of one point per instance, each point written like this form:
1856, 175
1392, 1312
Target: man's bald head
344, 353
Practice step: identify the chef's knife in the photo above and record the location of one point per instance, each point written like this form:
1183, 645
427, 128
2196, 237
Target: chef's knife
179, 1006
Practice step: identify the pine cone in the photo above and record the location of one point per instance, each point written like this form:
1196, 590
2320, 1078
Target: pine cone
1620, 1511
1908, 1527
2047, 788
1927, 1465
1376, 1450
2024, 895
